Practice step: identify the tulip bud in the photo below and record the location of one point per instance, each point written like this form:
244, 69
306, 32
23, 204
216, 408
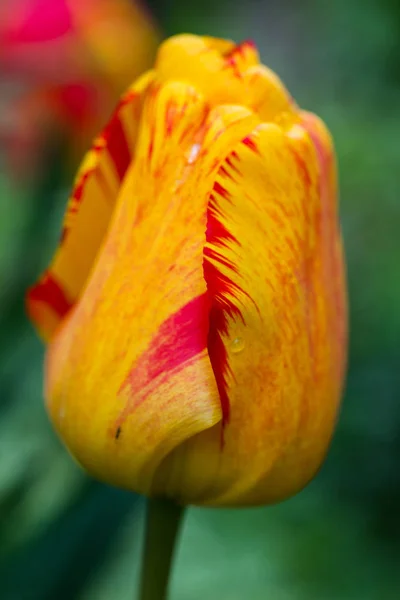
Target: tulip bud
195, 309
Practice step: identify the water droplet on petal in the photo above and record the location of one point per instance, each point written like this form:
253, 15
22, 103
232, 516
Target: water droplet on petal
237, 345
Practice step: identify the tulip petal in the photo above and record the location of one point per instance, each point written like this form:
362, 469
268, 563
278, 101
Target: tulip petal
129, 377
88, 215
227, 74
273, 271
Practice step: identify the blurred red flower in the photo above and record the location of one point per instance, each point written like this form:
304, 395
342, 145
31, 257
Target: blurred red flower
64, 64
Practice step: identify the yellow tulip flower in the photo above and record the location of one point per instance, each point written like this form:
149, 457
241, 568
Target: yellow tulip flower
195, 310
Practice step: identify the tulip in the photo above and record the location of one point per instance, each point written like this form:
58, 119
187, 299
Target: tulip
195, 310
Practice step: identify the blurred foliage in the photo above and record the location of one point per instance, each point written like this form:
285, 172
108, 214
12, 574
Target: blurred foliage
64, 536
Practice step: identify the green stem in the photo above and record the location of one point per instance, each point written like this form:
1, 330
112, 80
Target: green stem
162, 526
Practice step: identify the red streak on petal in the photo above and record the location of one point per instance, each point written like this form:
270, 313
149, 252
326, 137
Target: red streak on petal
170, 116
302, 165
219, 189
181, 338
229, 162
249, 44
216, 230
113, 139
76, 199
249, 142
79, 189
150, 152
241, 48
221, 289
225, 172
125, 100
117, 145
48, 291
231, 63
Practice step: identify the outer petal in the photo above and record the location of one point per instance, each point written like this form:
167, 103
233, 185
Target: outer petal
274, 271
129, 376
88, 215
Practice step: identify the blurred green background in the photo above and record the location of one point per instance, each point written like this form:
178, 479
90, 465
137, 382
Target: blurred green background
64, 536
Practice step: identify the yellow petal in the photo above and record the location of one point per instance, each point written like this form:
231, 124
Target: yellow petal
226, 73
128, 375
274, 271
88, 215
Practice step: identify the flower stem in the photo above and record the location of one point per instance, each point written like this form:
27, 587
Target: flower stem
162, 526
